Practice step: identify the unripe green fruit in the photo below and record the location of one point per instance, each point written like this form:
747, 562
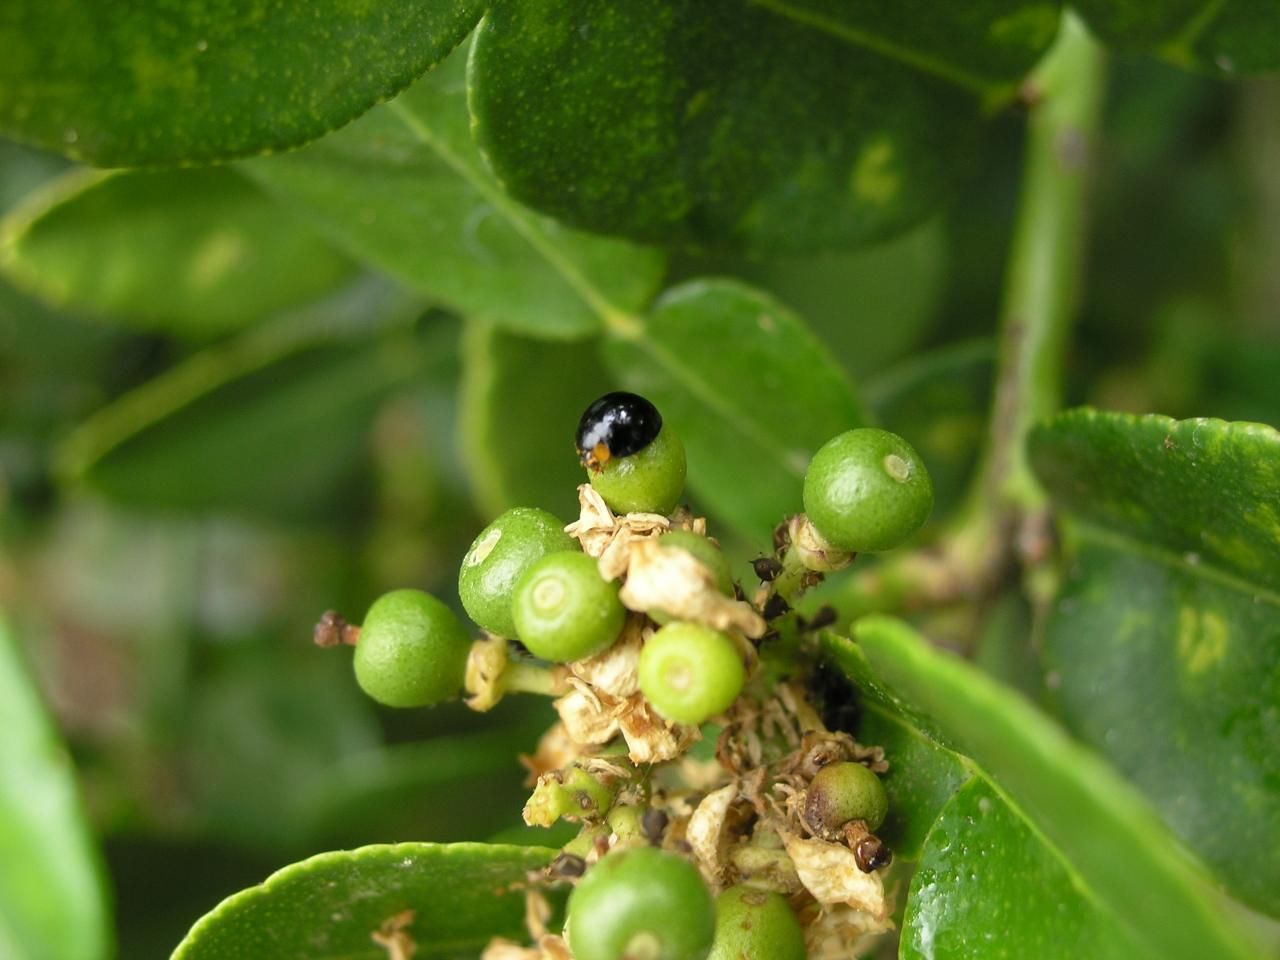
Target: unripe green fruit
564, 610
690, 672
641, 902
867, 490
498, 559
842, 792
754, 924
412, 650
647, 481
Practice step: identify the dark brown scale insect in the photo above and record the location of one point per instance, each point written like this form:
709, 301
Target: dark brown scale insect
766, 568
568, 865
617, 425
825, 617
775, 607
653, 824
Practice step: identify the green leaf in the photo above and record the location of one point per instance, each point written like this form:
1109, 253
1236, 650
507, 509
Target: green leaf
750, 389
1164, 641
328, 907
271, 422
405, 190
768, 125
155, 82
52, 901
521, 400
988, 886
195, 252
1073, 809
1206, 491
1225, 37
870, 305
260, 752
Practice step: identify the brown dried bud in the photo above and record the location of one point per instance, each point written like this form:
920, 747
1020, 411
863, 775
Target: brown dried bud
332, 629
871, 853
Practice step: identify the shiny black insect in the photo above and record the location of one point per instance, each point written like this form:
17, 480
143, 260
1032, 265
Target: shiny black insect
617, 425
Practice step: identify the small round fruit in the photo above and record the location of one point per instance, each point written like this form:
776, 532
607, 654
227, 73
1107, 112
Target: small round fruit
867, 490
412, 650
641, 902
564, 610
633, 460
753, 923
498, 559
842, 792
705, 552
690, 672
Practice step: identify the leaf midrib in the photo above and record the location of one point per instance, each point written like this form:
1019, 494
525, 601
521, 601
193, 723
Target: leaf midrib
625, 326
883, 46
1127, 543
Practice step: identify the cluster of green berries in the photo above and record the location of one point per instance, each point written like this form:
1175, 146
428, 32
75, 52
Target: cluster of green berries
646, 902
524, 578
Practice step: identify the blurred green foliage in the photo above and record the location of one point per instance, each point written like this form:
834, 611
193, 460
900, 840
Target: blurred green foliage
181, 495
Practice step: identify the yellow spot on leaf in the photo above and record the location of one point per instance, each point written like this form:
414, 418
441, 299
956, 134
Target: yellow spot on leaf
875, 179
1202, 639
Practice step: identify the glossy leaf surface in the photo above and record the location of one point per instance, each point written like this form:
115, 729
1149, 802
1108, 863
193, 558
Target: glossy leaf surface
404, 189
751, 391
193, 252
272, 421
160, 82
450, 898
988, 886
1225, 37
521, 401
777, 125
52, 904
1165, 638
1130, 871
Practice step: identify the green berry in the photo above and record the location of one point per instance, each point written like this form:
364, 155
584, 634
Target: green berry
842, 792
564, 610
412, 650
867, 490
753, 923
641, 902
706, 552
647, 481
690, 672
498, 559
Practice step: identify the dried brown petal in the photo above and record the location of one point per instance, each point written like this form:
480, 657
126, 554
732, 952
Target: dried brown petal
813, 550
485, 665
586, 719
675, 582
706, 831
615, 671
838, 932
830, 872
650, 738
606, 536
